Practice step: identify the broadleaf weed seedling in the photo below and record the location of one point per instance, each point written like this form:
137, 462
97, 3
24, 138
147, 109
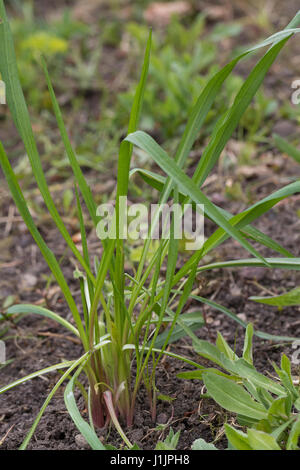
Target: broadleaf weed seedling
122, 314
267, 408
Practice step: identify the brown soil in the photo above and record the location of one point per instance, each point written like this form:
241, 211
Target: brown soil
37, 343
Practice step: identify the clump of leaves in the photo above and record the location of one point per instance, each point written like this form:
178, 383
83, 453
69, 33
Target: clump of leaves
269, 408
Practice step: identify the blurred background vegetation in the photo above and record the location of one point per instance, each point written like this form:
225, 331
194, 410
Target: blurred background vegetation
94, 50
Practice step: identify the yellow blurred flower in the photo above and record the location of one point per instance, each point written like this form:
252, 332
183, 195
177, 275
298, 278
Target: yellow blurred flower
44, 43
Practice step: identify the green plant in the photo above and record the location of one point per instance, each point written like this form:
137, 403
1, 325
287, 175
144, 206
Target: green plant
269, 408
184, 60
33, 37
284, 146
170, 442
122, 314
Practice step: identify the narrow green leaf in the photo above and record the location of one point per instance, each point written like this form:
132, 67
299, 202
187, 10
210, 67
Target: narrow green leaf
197, 374
286, 147
38, 373
279, 263
145, 142
84, 187
247, 350
125, 154
225, 127
46, 252
293, 440
284, 300
36, 310
224, 347
193, 321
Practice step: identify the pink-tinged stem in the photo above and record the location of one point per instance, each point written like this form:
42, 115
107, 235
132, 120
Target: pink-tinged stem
111, 409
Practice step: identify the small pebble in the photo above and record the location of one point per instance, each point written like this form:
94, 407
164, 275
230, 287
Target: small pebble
242, 316
29, 280
81, 441
162, 418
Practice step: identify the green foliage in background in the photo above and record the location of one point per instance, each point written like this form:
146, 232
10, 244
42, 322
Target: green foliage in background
184, 60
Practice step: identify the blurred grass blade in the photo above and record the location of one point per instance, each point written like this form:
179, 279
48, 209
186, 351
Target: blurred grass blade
233, 316
284, 146
225, 127
125, 154
81, 181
